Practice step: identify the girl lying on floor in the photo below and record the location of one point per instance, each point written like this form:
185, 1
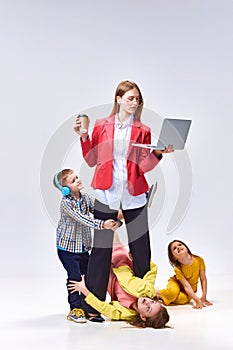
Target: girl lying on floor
133, 299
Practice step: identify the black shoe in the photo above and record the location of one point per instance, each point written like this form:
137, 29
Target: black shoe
97, 318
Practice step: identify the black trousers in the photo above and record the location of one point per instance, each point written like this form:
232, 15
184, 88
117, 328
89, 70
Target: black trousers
99, 264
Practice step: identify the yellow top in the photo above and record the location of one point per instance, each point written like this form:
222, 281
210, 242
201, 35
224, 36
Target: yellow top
191, 272
138, 287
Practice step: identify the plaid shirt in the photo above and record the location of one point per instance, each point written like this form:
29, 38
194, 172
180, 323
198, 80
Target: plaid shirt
74, 227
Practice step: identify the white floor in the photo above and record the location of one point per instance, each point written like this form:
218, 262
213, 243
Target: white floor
33, 317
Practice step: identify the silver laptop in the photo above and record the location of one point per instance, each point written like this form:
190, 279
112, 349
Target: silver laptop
173, 132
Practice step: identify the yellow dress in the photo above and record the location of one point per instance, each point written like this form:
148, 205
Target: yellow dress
133, 285
174, 292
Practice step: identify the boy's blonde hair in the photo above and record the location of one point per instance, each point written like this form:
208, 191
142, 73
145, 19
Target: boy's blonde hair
62, 176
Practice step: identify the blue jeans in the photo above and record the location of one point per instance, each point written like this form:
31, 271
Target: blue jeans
75, 265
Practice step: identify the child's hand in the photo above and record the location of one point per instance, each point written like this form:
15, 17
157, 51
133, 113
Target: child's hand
199, 304
74, 286
111, 224
158, 295
206, 302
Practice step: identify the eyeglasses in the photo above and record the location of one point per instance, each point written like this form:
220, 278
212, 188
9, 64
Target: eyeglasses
131, 99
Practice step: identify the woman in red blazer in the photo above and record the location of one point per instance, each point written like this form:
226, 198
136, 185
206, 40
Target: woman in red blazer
119, 183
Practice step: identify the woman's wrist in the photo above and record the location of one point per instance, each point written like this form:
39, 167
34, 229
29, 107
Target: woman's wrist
158, 155
84, 138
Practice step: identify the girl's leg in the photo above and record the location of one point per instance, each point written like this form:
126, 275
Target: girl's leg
120, 256
182, 299
171, 292
136, 221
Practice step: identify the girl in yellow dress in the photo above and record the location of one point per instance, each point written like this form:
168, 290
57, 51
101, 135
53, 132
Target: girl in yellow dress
188, 268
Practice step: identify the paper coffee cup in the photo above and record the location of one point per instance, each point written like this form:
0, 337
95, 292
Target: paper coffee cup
84, 123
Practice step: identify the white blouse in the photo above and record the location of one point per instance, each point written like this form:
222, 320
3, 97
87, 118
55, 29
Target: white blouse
118, 196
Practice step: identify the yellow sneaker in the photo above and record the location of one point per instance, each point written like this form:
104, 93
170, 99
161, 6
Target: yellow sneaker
77, 315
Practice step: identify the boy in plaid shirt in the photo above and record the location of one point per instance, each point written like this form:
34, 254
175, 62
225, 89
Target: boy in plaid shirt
73, 238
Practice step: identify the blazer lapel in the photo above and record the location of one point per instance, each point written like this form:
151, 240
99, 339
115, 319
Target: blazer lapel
109, 127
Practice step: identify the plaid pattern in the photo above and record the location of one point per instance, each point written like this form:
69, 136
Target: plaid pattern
74, 227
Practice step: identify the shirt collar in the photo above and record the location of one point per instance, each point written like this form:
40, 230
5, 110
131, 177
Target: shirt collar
74, 198
128, 122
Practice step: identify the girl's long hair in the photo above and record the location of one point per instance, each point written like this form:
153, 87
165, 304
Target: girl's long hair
122, 88
171, 258
158, 321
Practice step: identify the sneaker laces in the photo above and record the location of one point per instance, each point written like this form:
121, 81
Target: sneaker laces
76, 312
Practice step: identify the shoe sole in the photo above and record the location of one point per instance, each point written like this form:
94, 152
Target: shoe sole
77, 321
98, 319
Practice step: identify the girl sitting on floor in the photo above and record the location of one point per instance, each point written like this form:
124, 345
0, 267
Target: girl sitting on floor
188, 268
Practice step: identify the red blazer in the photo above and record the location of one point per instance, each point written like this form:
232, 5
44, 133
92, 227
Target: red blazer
98, 152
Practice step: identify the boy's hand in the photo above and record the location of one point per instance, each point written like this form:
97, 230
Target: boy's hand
111, 224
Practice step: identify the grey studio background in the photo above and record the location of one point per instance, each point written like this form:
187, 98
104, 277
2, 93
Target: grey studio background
59, 58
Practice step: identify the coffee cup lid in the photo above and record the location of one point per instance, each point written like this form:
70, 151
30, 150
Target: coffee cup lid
83, 115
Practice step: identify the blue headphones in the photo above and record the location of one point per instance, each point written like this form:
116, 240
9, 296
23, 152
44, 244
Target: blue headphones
65, 190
